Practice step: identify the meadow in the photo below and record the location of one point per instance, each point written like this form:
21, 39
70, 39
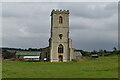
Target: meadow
102, 67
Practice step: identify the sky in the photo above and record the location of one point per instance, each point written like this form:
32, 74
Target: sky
93, 25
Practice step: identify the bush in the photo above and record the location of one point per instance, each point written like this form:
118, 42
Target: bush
7, 55
75, 60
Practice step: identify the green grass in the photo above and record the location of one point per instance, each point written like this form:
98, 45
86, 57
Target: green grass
0, 69
103, 67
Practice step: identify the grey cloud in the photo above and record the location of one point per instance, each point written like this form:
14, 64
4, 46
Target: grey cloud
26, 10
92, 25
91, 10
91, 39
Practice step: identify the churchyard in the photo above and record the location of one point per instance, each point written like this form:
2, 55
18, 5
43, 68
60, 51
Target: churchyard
102, 67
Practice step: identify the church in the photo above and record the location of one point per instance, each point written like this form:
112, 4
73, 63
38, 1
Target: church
60, 45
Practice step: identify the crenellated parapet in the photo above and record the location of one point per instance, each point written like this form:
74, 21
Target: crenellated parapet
59, 11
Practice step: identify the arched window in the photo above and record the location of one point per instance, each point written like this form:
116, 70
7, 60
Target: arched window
60, 36
60, 20
60, 48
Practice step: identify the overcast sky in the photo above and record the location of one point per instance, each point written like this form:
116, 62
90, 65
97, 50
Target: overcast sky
92, 25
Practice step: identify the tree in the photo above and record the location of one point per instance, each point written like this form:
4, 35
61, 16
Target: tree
101, 52
114, 48
85, 53
94, 52
6, 54
115, 51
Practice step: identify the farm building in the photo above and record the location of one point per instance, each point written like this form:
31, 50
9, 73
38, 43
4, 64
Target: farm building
94, 55
28, 55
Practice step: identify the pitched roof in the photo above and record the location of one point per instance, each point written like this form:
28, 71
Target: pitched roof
28, 53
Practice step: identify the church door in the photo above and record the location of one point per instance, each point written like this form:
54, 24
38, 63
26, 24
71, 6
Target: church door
60, 58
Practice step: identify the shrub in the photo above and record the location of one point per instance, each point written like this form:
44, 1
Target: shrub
75, 60
7, 55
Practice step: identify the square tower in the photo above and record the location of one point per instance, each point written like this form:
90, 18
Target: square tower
60, 44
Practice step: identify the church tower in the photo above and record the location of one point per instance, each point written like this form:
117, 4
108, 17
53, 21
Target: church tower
60, 44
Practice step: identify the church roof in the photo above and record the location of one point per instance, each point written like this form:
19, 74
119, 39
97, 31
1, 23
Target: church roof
37, 53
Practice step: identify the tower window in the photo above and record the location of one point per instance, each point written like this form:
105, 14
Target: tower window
60, 48
60, 36
60, 20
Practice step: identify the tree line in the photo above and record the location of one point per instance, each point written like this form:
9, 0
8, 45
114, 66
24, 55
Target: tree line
101, 52
10, 52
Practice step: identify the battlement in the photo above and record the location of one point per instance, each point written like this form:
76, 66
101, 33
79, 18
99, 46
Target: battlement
60, 11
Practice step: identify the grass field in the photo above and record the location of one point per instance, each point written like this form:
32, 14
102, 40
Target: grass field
103, 67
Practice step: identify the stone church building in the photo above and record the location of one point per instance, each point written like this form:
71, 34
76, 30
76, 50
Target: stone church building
60, 45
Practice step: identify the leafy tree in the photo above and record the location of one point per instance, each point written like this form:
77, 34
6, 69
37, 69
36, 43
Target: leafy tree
114, 49
101, 52
6, 54
94, 52
85, 53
